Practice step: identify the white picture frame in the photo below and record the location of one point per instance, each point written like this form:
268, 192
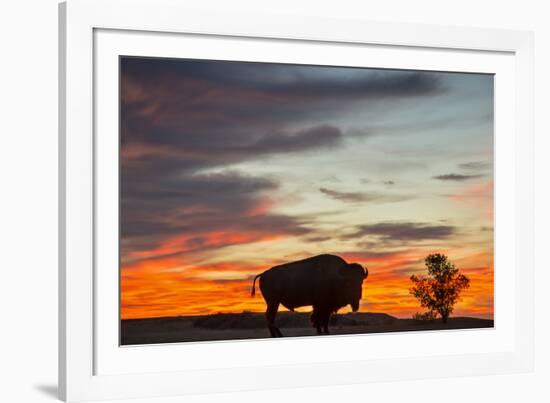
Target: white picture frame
91, 364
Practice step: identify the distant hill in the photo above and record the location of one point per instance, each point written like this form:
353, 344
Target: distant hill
252, 320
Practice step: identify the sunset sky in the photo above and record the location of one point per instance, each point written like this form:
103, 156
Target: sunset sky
229, 168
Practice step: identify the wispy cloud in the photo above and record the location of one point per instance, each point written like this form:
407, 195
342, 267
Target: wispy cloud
403, 231
362, 197
456, 177
476, 165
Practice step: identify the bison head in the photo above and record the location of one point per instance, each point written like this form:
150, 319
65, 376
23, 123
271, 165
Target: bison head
353, 275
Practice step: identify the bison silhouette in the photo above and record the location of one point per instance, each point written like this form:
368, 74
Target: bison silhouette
326, 282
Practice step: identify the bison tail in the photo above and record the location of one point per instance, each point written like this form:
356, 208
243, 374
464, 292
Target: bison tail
253, 292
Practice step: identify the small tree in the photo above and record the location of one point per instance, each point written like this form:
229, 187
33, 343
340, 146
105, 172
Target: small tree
440, 289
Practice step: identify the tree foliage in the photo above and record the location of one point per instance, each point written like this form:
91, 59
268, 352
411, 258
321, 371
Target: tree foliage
441, 288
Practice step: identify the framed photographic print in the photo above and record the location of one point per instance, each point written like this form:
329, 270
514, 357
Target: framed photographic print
338, 202
228, 169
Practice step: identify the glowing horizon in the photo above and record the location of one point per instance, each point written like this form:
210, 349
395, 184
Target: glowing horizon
229, 168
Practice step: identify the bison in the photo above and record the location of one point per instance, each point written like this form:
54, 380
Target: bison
326, 282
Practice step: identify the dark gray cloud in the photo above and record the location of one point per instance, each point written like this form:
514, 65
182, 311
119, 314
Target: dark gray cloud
189, 154
403, 231
194, 207
230, 190
319, 238
352, 197
377, 84
312, 138
456, 177
361, 197
476, 166
286, 79
246, 109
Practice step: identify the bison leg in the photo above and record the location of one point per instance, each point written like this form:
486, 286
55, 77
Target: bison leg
316, 319
319, 331
320, 318
270, 314
325, 322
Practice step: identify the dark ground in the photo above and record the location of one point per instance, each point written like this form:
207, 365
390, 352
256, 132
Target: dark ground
233, 326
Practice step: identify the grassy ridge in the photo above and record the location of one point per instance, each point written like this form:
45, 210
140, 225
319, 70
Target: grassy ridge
248, 325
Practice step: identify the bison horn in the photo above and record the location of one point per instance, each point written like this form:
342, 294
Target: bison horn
366, 273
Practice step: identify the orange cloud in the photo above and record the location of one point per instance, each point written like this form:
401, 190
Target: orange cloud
186, 243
